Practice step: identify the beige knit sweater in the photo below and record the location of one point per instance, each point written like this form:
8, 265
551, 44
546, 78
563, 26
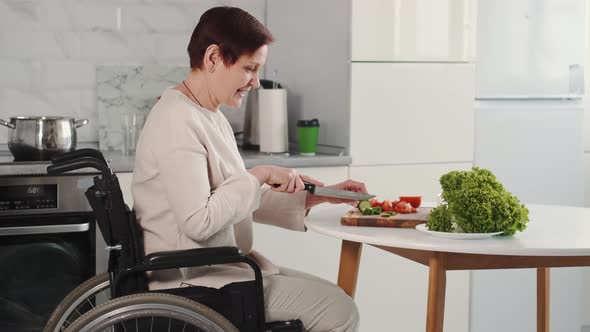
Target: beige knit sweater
191, 190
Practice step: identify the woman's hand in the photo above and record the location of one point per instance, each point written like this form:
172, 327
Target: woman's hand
282, 179
350, 185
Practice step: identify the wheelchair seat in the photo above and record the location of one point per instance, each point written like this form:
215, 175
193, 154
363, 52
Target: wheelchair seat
241, 303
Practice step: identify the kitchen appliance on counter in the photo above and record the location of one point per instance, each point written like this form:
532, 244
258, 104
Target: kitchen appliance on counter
266, 119
47, 243
41, 137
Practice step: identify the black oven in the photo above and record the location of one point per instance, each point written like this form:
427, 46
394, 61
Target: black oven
47, 245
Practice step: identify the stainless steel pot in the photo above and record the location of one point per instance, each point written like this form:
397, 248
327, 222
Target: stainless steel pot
41, 137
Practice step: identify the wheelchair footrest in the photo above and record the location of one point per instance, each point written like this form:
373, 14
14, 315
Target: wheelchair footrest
285, 326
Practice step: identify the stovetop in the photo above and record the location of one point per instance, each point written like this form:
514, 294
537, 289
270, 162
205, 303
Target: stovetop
9, 167
5, 156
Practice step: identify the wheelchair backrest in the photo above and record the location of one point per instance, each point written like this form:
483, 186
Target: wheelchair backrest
116, 222
125, 241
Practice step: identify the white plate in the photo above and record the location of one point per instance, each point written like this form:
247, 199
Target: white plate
456, 236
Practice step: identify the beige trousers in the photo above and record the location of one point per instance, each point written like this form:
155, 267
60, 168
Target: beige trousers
318, 303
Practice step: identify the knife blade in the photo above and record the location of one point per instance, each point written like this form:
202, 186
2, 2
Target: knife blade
337, 193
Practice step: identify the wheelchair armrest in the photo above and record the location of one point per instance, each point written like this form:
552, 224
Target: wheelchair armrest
193, 257
175, 259
197, 257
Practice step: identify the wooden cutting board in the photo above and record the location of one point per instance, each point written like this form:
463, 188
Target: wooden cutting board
409, 220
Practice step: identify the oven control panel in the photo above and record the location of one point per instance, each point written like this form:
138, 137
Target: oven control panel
27, 197
43, 195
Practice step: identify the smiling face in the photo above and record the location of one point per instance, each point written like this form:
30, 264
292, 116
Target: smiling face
233, 82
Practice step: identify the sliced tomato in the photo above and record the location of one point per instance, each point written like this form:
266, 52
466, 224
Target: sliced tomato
403, 207
375, 202
415, 201
387, 206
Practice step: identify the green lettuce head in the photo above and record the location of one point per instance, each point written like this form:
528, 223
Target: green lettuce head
477, 203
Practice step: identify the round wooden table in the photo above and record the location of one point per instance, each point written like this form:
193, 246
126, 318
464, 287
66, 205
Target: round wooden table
556, 236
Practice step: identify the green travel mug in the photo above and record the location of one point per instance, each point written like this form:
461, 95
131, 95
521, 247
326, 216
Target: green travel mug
307, 132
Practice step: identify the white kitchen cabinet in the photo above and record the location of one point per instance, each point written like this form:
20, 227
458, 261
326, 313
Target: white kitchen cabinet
413, 30
411, 113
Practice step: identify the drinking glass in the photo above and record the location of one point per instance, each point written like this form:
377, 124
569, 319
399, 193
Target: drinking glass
131, 124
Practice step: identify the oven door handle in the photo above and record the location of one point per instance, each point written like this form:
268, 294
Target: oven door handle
46, 229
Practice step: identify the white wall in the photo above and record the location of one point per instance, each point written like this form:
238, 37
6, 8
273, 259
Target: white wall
49, 49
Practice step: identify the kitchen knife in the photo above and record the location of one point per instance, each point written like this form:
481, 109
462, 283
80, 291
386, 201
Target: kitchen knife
331, 192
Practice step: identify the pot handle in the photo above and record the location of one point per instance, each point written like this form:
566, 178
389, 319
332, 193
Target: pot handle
80, 123
7, 124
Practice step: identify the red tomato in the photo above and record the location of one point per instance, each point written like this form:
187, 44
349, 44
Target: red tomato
374, 202
387, 206
403, 207
415, 201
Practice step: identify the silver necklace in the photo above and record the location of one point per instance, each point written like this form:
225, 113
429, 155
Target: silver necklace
189, 90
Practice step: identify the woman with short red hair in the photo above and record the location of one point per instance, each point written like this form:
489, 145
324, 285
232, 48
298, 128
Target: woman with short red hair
191, 189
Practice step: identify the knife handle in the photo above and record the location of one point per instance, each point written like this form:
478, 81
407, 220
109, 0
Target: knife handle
308, 186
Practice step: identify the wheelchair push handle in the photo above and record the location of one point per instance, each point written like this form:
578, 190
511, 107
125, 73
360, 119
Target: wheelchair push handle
83, 162
78, 154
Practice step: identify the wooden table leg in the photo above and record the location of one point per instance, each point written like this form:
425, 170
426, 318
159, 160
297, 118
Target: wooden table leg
543, 290
350, 258
437, 282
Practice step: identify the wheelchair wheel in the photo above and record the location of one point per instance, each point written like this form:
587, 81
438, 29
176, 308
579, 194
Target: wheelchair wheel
82, 299
152, 312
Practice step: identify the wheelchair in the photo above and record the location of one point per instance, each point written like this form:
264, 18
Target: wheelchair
119, 300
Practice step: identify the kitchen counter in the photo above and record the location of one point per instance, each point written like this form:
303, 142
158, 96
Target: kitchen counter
120, 163
252, 158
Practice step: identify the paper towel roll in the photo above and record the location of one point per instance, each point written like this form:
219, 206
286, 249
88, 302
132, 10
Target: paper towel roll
273, 124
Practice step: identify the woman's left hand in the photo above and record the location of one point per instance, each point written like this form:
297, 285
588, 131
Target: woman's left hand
349, 185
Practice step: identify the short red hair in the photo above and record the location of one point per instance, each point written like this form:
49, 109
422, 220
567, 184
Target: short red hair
235, 31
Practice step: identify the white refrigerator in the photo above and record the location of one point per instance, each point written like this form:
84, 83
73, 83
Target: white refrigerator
528, 131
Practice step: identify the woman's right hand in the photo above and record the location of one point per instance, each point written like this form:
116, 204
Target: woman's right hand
281, 179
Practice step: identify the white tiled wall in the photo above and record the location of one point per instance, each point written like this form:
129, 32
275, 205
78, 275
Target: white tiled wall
49, 49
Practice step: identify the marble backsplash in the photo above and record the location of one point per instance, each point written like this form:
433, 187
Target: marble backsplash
128, 90
124, 90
